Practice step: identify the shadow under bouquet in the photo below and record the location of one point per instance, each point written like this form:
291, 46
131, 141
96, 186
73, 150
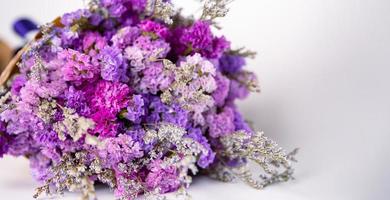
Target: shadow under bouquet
132, 94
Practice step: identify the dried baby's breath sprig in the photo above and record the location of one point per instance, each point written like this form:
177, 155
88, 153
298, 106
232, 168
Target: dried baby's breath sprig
5, 95
73, 125
242, 147
159, 9
74, 174
166, 135
71, 174
243, 52
214, 8
46, 110
38, 69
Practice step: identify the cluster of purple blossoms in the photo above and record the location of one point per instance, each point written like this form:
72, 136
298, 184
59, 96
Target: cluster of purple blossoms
127, 99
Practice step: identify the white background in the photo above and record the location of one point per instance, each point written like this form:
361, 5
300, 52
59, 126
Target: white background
324, 67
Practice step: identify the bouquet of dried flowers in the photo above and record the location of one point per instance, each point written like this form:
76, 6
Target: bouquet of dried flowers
132, 94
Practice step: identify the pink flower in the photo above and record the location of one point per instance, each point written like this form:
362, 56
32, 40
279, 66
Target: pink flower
163, 177
78, 66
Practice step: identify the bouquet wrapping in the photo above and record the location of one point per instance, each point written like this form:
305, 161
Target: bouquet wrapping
133, 95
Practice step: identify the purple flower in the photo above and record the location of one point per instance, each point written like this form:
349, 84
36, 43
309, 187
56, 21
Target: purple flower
231, 64
18, 83
77, 100
4, 140
153, 79
219, 46
159, 112
198, 38
205, 158
240, 123
116, 8
222, 91
40, 165
152, 48
21, 144
120, 149
175, 115
237, 91
69, 19
221, 124
138, 5
135, 109
125, 36
77, 66
113, 66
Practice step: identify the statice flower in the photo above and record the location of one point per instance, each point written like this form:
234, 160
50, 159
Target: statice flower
153, 49
110, 96
70, 19
21, 144
106, 100
154, 79
18, 84
120, 149
77, 100
222, 91
125, 36
240, 123
144, 52
115, 7
159, 112
40, 165
4, 140
135, 109
221, 124
198, 38
207, 157
113, 66
77, 66
231, 64
74, 22
219, 46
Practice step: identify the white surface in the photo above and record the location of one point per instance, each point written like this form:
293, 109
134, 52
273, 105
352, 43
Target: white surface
324, 67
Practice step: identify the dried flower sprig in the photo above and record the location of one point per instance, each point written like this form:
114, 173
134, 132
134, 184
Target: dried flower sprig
161, 10
72, 125
214, 9
241, 147
70, 174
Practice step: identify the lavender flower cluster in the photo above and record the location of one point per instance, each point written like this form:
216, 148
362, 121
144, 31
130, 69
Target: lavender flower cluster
133, 95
